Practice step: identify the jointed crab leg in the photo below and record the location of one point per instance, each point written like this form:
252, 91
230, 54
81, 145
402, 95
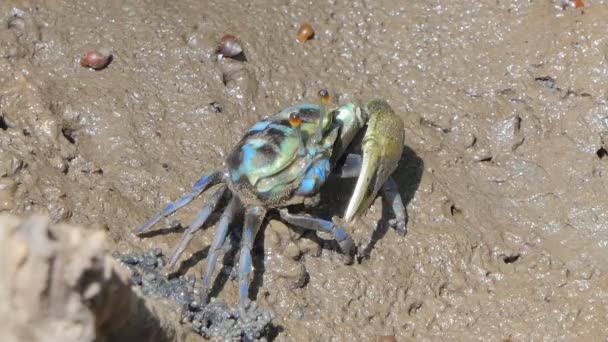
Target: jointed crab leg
343, 239
253, 219
198, 222
218, 242
198, 187
390, 192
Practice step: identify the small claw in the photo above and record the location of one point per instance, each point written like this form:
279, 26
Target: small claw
382, 147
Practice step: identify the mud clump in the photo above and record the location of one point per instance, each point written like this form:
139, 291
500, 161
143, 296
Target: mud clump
215, 320
146, 272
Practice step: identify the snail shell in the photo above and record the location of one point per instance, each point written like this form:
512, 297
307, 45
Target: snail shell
96, 58
230, 46
305, 32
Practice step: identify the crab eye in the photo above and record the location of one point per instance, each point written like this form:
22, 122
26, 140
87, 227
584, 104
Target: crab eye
295, 120
324, 95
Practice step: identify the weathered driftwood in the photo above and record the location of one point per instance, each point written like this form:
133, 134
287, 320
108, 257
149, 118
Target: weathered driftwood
58, 283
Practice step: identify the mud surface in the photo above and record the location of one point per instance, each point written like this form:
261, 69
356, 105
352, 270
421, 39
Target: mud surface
505, 112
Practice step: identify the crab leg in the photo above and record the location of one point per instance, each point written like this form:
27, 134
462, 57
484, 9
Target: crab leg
201, 185
343, 239
253, 219
198, 222
218, 242
390, 192
382, 146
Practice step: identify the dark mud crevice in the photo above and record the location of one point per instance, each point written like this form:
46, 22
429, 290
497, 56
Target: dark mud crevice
216, 107
68, 134
431, 124
509, 259
546, 81
454, 210
414, 308
3, 124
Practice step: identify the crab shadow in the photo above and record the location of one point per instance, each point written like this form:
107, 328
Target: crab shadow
408, 176
166, 230
337, 192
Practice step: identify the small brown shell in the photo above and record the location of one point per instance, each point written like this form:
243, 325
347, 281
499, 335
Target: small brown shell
305, 32
571, 3
230, 46
96, 58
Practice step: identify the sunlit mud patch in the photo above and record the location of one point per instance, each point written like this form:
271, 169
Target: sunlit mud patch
216, 320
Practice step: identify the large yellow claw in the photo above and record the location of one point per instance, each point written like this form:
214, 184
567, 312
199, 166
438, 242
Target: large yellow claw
382, 147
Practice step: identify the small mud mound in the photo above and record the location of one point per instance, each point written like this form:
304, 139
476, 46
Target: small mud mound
147, 272
217, 320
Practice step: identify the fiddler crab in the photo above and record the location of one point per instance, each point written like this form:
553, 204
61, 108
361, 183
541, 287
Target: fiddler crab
282, 162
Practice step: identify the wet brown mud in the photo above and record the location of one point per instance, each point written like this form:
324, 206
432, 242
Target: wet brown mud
504, 106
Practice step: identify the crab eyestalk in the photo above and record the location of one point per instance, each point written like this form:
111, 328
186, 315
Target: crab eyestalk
296, 121
324, 96
382, 146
